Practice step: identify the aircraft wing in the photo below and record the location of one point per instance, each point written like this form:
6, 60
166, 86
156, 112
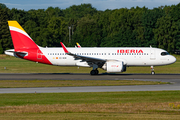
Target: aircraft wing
85, 58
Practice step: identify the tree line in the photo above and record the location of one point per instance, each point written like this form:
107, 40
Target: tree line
135, 27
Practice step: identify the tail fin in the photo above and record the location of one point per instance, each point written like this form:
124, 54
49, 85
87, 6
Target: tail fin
78, 45
21, 40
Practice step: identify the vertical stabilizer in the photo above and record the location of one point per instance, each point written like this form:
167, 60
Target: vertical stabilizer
21, 40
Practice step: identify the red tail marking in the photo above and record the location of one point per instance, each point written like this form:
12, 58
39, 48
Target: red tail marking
21, 41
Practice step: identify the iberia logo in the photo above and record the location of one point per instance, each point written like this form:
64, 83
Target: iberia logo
129, 51
114, 65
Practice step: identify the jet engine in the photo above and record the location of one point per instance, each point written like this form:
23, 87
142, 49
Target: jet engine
114, 66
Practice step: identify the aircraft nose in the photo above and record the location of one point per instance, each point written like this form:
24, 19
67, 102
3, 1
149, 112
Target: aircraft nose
172, 59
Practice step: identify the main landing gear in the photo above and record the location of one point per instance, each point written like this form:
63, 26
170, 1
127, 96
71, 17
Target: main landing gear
94, 72
152, 70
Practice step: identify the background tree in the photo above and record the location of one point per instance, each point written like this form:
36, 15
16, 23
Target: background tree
85, 32
135, 27
149, 19
5, 39
166, 33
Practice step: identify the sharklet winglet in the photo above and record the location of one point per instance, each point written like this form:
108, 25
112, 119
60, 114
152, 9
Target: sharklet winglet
64, 48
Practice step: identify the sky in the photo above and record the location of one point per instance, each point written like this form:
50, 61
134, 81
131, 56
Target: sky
98, 4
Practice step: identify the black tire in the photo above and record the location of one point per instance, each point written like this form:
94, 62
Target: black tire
93, 72
152, 73
97, 72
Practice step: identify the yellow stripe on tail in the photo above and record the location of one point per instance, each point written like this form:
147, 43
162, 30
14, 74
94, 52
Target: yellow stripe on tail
15, 24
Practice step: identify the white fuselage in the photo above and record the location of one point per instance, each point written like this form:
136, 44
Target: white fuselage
129, 55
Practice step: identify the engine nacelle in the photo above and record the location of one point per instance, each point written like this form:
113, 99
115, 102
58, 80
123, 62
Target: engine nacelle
114, 66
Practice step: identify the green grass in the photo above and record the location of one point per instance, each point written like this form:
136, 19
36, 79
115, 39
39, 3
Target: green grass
67, 83
88, 116
15, 65
80, 106
89, 98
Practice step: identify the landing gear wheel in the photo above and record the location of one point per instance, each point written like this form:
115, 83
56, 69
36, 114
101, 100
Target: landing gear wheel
152, 73
94, 72
97, 72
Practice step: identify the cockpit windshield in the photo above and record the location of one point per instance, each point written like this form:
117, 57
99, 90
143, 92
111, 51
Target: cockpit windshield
164, 53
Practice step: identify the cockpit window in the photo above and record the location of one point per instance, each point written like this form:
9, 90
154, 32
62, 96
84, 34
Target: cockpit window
164, 53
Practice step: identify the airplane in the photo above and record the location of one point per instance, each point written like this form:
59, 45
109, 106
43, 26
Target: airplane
110, 59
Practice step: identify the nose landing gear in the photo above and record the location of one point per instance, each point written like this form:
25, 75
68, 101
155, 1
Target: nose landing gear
152, 70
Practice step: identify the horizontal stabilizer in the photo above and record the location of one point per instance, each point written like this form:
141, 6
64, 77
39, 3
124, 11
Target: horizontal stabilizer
11, 52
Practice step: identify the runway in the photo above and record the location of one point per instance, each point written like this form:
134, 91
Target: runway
173, 78
83, 76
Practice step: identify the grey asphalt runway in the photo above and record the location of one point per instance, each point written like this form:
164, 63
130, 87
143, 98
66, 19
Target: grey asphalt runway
84, 76
173, 78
